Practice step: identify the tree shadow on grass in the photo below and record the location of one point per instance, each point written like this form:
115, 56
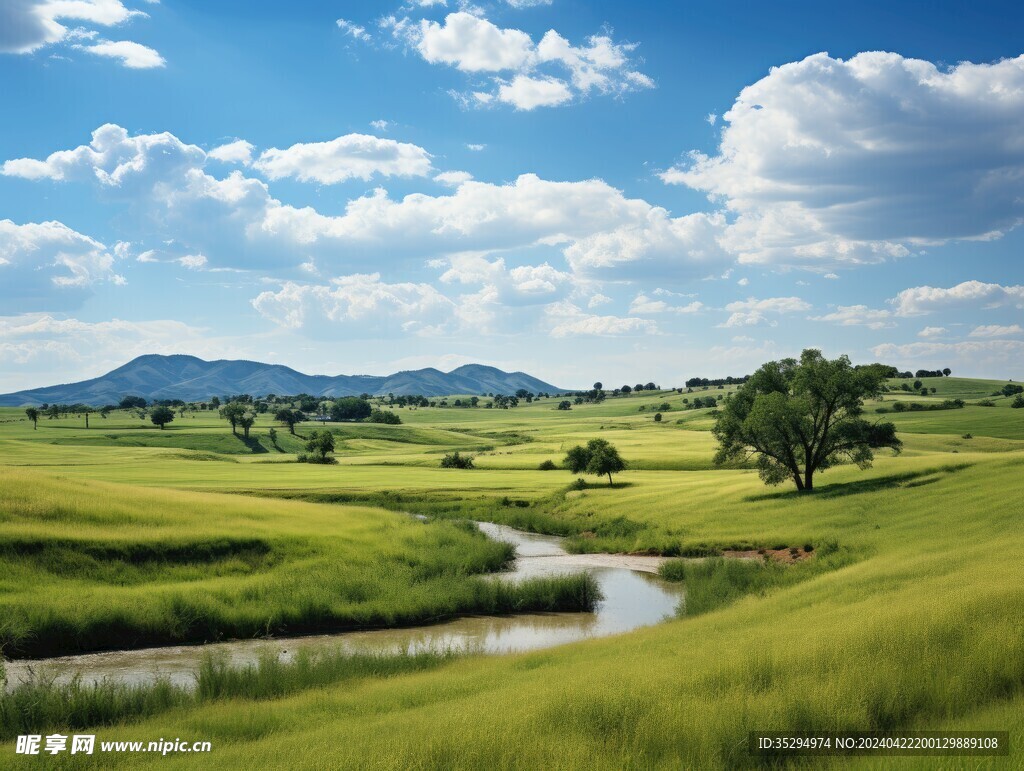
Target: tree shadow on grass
893, 481
253, 444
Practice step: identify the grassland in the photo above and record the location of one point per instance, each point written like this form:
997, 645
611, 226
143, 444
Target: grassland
917, 622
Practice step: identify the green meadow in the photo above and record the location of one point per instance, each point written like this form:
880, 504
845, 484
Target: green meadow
907, 613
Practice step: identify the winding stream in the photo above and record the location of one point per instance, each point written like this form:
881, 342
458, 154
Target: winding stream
633, 597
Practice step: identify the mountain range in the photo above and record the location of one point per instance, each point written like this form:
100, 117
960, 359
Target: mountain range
192, 379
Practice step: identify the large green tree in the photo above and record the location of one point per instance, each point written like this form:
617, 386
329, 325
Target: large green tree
33, 415
161, 416
800, 417
598, 457
233, 412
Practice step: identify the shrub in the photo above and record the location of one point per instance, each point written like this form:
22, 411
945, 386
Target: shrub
454, 460
547, 465
657, 417
384, 416
967, 436
1018, 402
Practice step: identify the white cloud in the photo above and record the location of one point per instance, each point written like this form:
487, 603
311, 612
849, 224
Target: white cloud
711, 118
238, 151
528, 93
568, 320
473, 44
528, 3
929, 332
826, 161
547, 73
517, 286
920, 300
752, 312
858, 315
29, 25
644, 305
598, 300
353, 156
133, 55
47, 265
361, 300
453, 178
476, 148
381, 125
996, 330
353, 30
743, 282
988, 358
235, 221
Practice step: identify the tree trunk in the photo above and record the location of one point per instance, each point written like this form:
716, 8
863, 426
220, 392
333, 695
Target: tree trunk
809, 479
609, 479
799, 481
87, 420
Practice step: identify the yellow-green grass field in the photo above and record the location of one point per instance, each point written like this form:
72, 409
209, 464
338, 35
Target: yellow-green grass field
919, 626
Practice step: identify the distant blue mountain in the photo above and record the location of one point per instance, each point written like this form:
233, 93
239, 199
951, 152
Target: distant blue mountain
192, 379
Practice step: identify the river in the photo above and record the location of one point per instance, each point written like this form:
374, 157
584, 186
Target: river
633, 597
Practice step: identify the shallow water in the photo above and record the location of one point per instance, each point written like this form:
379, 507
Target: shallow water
633, 597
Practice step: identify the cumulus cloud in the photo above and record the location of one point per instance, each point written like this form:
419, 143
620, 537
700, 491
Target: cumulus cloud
29, 25
49, 266
830, 162
453, 178
977, 357
920, 300
753, 312
858, 315
996, 330
132, 55
236, 222
566, 319
529, 93
643, 305
353, 156
516, 286
238, 151
360, 300
524, 73
929, 332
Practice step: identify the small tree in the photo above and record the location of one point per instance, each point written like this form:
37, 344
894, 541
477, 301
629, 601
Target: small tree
947, 371
33, 415
289, 418
272, 433
233, 413
598, 457
161, 416
454, 460
565, 404
246, 422
657, 417
320, 444
799, 417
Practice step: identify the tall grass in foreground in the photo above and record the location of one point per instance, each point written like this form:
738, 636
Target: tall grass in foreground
42, 705
718, 581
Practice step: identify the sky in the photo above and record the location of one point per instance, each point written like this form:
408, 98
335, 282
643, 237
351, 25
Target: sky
582, 190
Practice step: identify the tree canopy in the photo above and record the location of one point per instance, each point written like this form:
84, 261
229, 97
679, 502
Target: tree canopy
800, 417
598, 457
161, 416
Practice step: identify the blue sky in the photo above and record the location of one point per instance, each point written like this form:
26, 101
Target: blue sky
582, 190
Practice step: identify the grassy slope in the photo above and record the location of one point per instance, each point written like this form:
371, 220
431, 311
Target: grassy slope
87, 566
922, 630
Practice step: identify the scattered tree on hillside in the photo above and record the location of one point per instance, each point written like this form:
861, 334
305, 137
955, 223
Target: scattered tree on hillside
33, 415
246, 422
384, 416
454, 460
289, 418
350, 408
320, 444
565, 404
947, 371
232, 413
799, 417
598, 457
161, 416
1012, 389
